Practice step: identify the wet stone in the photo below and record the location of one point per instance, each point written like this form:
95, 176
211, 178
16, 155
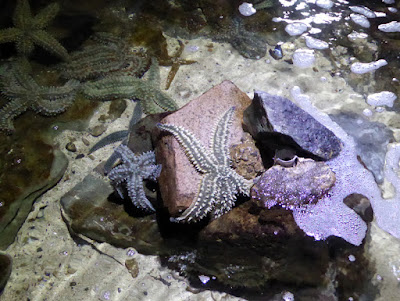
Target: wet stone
88, 211
291, 187
97, 130
279, 123
5, 270
71, 147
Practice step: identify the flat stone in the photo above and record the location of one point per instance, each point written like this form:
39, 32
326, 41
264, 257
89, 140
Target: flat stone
179, 180
270, 115
290, 187
88, 211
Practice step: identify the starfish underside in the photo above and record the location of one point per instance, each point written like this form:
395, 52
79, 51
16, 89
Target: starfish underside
220, 183
133, 170
29, 30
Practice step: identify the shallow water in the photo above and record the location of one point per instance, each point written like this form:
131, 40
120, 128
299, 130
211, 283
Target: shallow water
272, 46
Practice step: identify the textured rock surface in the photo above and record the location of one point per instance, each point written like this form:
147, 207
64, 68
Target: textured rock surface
246, 158
179, 181
290, 187
269, 115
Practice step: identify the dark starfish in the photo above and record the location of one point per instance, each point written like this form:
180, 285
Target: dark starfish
25, 94
175, 62
29, 30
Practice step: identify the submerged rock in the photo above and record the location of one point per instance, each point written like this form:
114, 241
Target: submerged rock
371, 138
88, 211
5, 270
270, 115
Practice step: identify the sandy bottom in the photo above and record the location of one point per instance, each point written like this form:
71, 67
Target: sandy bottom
50, 265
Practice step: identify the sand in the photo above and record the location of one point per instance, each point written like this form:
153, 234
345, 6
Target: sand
50, 265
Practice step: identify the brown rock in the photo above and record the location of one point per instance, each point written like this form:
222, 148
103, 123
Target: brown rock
265, 245
246, 158
179, 181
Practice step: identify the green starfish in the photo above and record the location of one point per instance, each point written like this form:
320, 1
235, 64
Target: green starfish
29, 30
24, 93
220, 183
152, 99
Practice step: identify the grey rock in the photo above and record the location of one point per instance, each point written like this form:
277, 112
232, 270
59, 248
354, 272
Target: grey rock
281, 122
371, 140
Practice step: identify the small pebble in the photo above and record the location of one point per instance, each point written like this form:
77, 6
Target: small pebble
132, 266
71, 147
85, 141
97, 130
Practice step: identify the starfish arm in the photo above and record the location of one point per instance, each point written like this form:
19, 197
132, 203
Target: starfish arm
155, 101
171, 75
55, 100
112, 87
119, 174
242, 184
45, 16
49, 43
219, 142
203, 204
11, 110
153, 74
137, 194
147, 158
226, 196
22, 14
195, 151
10, 35
24, 46
150, 172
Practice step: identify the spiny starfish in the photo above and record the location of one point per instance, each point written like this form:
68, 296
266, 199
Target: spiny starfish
220, 183
152, 99
108, 54
133, 170
29, 30
25, 94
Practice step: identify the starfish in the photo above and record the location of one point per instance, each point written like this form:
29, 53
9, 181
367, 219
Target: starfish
133, 170
29, 30
108, 54
152, 99
220, 183
175, 62
24, 94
